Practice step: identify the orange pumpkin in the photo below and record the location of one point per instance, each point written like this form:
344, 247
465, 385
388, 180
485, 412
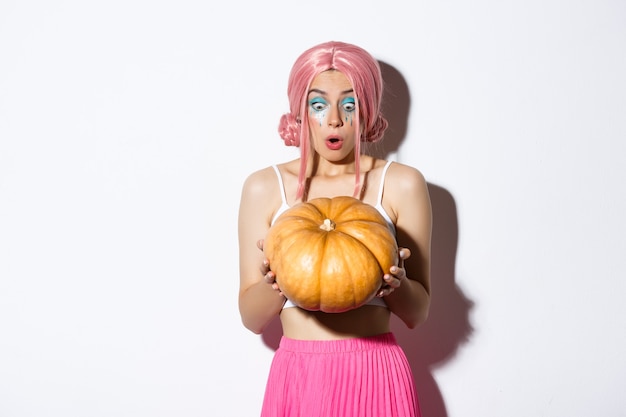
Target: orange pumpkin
330, 254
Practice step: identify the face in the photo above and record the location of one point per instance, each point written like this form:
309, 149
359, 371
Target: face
332, 116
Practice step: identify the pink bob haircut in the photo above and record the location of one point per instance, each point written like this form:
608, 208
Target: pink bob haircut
363, 72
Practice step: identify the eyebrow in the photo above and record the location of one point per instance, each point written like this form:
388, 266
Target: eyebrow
316, 90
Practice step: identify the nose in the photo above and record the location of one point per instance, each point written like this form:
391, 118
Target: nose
334, 118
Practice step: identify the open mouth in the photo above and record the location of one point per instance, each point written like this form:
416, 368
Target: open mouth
334, 143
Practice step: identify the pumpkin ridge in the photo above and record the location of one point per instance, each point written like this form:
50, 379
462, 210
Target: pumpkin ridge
357, 239
365, 247
292, 235
334, 269
359, 261
378, 234
318, 242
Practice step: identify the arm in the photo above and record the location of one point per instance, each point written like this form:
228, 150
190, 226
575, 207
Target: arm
407, 196
259, 302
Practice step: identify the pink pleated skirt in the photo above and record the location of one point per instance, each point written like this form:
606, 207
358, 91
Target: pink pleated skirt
361, 377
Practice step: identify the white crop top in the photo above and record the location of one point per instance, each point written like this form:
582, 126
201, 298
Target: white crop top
377, 301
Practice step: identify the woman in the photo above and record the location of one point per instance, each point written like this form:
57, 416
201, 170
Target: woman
337, 364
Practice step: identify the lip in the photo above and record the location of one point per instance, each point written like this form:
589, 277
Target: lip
334, 143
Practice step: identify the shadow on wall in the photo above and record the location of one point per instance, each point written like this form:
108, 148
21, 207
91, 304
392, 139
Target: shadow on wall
448, 325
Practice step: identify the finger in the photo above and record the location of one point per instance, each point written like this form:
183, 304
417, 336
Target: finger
270, 278
392, 281
384, 292
265, 266
404, 253
398, 272
259, 244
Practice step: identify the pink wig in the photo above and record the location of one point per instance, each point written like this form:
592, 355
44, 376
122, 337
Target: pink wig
363, 72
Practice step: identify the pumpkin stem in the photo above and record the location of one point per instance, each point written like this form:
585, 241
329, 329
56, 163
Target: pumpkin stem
328, 225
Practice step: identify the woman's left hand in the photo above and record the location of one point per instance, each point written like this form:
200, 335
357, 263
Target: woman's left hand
396, 274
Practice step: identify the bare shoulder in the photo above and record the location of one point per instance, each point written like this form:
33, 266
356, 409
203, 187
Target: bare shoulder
406, 191
265, 180
405, 179
258, 183
260, 195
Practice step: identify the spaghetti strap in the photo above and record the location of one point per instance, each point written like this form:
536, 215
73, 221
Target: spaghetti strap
283, 195
379, 199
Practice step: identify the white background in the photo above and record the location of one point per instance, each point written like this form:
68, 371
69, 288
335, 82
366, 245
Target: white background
128, 127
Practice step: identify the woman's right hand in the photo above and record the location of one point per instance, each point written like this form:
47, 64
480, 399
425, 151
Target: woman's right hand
268, 274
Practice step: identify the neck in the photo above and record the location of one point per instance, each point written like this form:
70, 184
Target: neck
321, 167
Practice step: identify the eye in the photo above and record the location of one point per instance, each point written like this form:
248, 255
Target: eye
317, 104
348, 104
